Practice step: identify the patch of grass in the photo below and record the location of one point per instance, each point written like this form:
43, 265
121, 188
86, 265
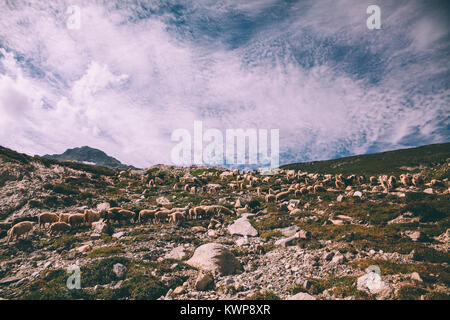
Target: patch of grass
410, 293
338, 286
105, 252
264, 295
429, 272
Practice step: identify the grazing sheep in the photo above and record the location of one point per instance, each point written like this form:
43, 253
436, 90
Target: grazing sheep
146, 215
221, 210
47, 217
384, 182
392, 182
91, 216
240, 211
176, 216
64, 217
59, 227
282, 195
319, 188
270, 198
77, 219
213, 223
417, 180
405, 179
290, 174
162, 215
21, 228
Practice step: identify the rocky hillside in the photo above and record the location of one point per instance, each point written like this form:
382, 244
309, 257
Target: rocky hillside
89, 155
210, 233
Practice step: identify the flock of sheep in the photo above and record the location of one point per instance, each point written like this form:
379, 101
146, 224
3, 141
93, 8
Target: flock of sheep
299, 183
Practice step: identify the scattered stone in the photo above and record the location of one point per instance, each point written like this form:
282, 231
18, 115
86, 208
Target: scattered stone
301, 296
204, 281
119, 270
177, 253
289, 231
242, 227
214, 257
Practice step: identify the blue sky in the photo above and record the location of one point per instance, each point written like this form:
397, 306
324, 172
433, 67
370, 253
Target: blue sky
137, 70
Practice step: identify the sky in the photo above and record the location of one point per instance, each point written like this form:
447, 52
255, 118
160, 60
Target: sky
135, 71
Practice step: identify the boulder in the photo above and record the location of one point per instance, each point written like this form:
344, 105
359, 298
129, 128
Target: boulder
204, 281
177, 253
214, 257
373, 284
242, 227
119, 270
301, 296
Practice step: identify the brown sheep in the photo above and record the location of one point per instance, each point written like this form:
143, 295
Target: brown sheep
19, 229
161, 216
270, 198
282, 195
146, 214
91, 216
64, 217
417, 180
405, 179
59, 227
176, 216
384, 182
47, 217
319, 188
373, 180
77, 219
392, 182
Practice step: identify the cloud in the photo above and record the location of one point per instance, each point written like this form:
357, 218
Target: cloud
134, 73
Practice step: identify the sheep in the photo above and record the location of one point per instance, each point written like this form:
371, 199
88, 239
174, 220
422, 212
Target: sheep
240, 211
270, 198
176, 216
58, 227
161, 215
213, 223
217, 209
64, 217
196, 212
417, 180
282, 195
290, 174
383, 182
319, 188
405, 179
21, 228
47, 217
91, 216
146, 214
77, 219
392, 182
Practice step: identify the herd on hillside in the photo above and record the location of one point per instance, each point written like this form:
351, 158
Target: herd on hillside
299, 183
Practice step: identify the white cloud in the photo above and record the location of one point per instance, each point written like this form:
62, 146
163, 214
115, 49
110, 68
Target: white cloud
124, 87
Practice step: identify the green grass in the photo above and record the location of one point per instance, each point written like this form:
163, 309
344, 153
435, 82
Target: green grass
379, 163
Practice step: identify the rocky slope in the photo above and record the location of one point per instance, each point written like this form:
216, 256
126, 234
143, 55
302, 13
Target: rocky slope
337, 241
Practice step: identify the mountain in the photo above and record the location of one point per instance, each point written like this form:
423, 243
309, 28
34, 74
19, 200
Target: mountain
88, 155
389, 162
